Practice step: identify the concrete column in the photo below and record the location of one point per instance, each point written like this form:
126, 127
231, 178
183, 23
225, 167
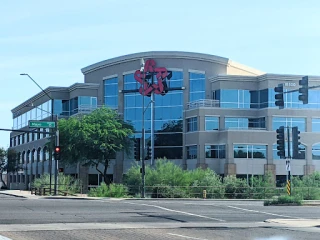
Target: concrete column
270, 169
84, 177
186, 84
309, 169
230, 169
221, 123
118, 168
229, 152
202, 165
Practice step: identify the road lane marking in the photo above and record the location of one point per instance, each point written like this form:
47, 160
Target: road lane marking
182, 236
176, 211
4, 238
273, 214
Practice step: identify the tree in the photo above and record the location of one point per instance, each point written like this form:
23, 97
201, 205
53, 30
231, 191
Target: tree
3, 164
94, 139
13, 164
9, 162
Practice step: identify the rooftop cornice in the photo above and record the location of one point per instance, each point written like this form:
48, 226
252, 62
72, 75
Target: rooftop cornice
264, 77
151, 54
52, 89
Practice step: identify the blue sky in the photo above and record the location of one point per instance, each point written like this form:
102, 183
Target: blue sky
53, 40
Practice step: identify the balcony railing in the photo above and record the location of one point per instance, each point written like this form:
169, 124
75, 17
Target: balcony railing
86, 109
207, 103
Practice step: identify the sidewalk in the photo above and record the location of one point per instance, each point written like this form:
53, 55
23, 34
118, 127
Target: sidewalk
299, 223
27, 194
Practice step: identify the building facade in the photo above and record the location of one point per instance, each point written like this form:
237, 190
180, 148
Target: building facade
216, 113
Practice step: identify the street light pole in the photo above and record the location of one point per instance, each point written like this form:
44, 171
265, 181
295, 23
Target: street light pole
52, 135
143, 167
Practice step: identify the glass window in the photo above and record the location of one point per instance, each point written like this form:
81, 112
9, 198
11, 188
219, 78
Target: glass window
249, 151
259, 123
74, 105
192, 124
197, 86
289, 122
168, 116
211, 123
57, 107
192, 152
111, 92
316, 151
215, 151
234, 98
315, 124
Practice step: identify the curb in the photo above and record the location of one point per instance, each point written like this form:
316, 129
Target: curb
71, 198
14, 195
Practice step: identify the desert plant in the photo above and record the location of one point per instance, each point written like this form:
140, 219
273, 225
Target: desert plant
284, 200
113, 190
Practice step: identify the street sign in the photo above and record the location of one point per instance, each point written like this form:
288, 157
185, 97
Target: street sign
288, 168
41, 124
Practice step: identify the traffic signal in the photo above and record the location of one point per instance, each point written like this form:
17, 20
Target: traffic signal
61, 170
137, 147
279, 96
148, 155
57, 153
281, 142
303, 90
295, 143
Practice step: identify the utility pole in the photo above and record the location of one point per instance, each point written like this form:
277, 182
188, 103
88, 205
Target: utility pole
143, 167
53, 136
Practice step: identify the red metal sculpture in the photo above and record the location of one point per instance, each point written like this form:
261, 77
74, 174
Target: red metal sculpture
147, 86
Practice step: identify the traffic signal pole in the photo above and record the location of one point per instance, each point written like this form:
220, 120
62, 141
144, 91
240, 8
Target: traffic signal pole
56, 164
289, 159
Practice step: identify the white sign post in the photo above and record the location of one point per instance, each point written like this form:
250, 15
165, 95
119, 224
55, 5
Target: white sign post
288, 168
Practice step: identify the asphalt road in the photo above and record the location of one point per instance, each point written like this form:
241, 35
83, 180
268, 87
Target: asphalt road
149, 219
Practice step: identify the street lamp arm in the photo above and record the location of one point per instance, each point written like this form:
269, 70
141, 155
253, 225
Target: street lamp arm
147, 106
25, 74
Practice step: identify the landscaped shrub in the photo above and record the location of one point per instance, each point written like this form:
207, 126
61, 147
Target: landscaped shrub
263, 187
66, 183
166, 191
206, 180
235, 187
307, 187
113, 190
166, 179
284, 200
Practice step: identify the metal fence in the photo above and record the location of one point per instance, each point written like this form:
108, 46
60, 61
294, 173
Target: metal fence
62, 190
224, 192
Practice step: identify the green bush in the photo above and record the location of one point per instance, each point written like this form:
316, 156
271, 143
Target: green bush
167, 179
285, 200
113, 190
172, 181
166, 191
236, 187
308, 187
206, 180
66, 183
263, 187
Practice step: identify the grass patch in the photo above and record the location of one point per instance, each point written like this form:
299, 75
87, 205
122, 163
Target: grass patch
284, 200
